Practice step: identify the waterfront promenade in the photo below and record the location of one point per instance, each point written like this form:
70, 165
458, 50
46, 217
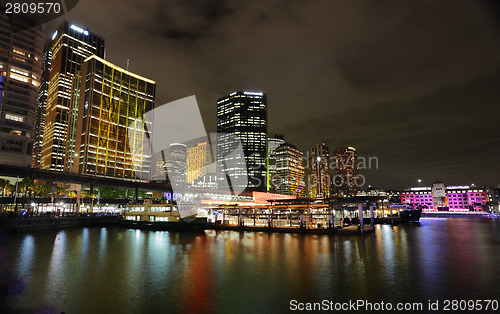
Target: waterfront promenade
35, 223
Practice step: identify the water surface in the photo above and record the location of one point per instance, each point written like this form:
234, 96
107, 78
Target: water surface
113, 270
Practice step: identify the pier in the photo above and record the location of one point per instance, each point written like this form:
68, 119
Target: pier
354, 215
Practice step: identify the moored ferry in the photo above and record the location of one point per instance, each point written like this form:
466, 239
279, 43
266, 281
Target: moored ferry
161, 216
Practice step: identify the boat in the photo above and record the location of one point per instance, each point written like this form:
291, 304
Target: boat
410, 215
161, 216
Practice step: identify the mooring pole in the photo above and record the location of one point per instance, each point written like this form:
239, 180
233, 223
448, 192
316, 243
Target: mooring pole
373, 216
361, 224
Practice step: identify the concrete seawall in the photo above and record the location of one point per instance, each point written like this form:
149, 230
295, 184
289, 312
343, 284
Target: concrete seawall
23, 224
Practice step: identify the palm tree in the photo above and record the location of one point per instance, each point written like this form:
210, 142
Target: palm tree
59, 190
73, 194
4, 184
26, 185
43, 190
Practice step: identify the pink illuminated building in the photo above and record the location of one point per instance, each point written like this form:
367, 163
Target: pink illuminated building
458, 198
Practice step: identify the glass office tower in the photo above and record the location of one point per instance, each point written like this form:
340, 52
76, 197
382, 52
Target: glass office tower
242, 116
71, 45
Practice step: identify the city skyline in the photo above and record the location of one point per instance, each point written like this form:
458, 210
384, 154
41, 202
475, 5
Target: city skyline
417, 122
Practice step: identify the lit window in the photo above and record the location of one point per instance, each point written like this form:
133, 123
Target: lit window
19, 77
14, 117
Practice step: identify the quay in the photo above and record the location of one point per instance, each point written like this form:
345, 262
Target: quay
38, 223
356, 215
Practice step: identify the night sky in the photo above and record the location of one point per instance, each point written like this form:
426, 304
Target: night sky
414, 83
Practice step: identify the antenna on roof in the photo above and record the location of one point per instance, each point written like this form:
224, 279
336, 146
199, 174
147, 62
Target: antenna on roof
128, 63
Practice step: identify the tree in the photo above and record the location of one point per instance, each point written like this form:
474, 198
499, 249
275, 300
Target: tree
87, 193
73, 194
109, 192
58, 190
26, 185
4, 185
43, 190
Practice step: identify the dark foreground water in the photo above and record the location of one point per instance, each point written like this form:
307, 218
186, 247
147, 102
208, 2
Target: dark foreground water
111, 270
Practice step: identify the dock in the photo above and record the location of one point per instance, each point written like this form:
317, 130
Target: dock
348, 230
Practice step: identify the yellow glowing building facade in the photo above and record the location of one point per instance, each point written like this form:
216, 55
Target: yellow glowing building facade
290, 173
111, 99
319, 175
196, 161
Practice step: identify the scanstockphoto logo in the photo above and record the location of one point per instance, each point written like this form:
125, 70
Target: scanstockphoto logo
35, 12
162, 139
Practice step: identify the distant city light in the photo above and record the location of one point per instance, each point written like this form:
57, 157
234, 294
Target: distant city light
54, 35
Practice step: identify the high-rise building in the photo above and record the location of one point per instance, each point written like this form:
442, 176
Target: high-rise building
290, 173
273, 142
42, 105
318, 172
175, 161
21, 50
111, 100
196, 161
346, 170
71, 45
242, 116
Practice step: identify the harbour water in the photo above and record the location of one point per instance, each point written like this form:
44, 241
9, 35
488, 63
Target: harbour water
113, 270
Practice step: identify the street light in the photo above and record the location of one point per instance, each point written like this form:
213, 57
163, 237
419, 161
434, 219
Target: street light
419, 181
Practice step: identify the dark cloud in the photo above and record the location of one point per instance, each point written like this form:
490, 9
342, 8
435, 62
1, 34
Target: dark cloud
452, 134
410, 82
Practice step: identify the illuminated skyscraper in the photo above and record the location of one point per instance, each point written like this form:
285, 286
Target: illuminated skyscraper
21, 50
71, 45
111, 99
273, 142
175, 161
290, 174
42, 106
346, 170
196, 161
243, 115
318, 172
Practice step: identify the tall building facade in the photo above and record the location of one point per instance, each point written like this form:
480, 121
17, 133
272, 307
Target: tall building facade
42, 106
71, 45
346, 170
196, 161
290, 172
242, 116
175, 161
111, 99
21, 51
318, 172
273, 142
